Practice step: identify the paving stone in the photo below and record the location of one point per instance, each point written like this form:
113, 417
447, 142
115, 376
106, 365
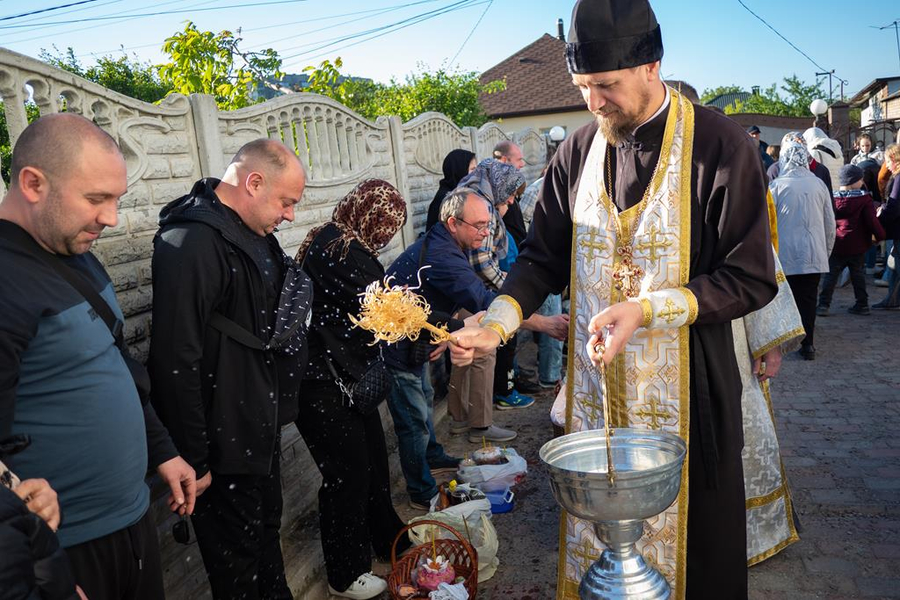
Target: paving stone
880, 587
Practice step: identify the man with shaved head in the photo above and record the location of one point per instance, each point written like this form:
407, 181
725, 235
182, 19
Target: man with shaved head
220, 283
65, 385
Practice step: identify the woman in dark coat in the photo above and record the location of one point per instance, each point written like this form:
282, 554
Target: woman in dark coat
889, 215
355, 509
33, 566
457, 164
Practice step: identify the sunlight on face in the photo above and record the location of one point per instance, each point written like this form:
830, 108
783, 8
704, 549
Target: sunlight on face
620, 100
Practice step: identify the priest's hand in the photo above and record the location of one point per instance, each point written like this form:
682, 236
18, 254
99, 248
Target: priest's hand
620, 321
472, 342
767, 366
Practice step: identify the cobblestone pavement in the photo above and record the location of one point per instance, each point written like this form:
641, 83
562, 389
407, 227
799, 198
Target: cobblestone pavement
838, 420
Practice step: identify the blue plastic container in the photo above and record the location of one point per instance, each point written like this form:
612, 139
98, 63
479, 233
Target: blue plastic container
502, 501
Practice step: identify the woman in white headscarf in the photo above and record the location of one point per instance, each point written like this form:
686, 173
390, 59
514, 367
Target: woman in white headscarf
805, 233
826, 151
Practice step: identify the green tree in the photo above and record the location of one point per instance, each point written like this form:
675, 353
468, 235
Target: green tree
710, 93
770, 101
453, 93
204, 62
125, 75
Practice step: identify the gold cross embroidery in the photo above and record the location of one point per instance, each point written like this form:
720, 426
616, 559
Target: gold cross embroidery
586, 554
670, 312
592, 244
652, 411
652, 336
656, 241
591, 406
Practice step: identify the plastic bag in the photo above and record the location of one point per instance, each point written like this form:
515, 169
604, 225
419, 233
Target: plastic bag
446, 591
495, 478
480, 532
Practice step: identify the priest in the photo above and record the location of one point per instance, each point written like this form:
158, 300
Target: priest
654, 216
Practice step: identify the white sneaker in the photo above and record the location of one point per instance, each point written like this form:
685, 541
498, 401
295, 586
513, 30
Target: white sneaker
366, 586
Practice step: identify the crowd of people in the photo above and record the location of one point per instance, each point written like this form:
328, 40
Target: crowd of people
835, 220
239, 329
247, 340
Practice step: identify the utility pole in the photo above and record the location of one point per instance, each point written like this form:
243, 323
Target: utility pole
896, 26
830, 88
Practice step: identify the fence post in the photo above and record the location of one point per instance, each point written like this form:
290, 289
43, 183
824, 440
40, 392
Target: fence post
471, 133
395, 126
206, 129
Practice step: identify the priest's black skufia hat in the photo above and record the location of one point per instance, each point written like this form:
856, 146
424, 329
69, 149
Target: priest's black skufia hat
608, 35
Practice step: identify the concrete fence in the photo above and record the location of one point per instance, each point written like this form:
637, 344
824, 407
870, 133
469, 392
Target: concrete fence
168, 146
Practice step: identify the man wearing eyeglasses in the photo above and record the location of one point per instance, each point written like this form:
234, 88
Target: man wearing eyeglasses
448, 283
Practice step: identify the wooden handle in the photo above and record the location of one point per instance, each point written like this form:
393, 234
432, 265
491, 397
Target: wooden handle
443, 336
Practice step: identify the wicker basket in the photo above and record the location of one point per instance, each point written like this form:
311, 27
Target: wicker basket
459, 552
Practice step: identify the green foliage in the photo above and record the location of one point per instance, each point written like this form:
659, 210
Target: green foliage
125, 75
710, 93
203, 62
452, 93
795, 102
32, 112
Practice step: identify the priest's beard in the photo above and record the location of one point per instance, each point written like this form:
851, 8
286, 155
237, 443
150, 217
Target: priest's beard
617, 124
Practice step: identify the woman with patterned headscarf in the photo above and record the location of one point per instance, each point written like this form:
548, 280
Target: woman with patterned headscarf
499, 183
806, 230
355, 509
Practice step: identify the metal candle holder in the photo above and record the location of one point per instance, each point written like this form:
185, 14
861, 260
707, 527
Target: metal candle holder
647, 467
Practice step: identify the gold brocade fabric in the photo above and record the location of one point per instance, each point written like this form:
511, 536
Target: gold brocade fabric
648, 381
770, 523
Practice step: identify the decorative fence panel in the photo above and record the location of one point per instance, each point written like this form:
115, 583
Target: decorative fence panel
168, 146
427, 139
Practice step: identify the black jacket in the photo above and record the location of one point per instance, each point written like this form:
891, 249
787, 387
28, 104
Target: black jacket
220, 399
337, 283
33, 566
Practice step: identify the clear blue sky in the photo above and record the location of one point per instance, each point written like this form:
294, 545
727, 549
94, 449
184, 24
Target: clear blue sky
707, 42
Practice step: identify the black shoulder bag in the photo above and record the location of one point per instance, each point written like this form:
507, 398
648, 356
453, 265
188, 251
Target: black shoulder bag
101, 307
366, 393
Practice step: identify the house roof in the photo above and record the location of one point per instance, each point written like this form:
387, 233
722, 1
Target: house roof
537, 82
862, 96
724, 100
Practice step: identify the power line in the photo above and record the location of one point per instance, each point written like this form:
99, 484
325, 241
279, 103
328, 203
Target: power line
168, 12
790, 43
377, 11
48, 9
384, 30
123, 17
74, 10
468, 37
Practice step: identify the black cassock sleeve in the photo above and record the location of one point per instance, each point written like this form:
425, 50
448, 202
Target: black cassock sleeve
544, 263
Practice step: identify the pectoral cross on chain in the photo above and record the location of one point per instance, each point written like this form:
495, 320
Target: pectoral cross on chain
627, 275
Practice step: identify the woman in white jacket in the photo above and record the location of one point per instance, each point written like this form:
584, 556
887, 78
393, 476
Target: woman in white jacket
826, 151
805, 233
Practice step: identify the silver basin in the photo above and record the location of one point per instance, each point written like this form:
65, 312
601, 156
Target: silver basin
647, 469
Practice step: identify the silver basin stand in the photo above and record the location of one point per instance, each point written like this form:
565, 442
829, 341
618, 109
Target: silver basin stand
647, 477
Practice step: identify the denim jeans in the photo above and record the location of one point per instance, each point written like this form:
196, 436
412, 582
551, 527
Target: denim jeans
549, 349
892, 300
411, 403
888, 249
836, 264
